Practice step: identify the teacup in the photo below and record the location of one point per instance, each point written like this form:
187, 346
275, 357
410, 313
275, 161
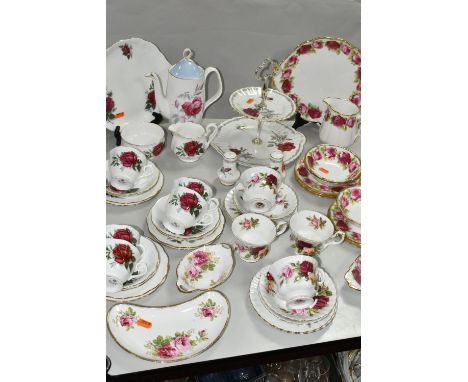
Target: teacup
186, 208
123, 232
295, 279
122, 263
349, 202
254, 234
258, 188
147, 137
196, 185
127, 166
312, 232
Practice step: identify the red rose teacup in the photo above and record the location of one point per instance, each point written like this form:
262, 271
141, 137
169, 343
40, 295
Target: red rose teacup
196, 185
122, 263
127, 167
123, 232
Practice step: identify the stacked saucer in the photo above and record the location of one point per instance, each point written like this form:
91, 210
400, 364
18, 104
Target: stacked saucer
130, 177
345, 213
294, 295
188, 217
326, 170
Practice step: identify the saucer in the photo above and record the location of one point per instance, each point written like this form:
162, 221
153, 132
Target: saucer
186, 243
145, 185
205, 268
150, 285
137, 199
336, 216
284, 207
350, 277
196, 232
272, 320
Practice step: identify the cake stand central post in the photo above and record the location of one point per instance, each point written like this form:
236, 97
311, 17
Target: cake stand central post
257, 140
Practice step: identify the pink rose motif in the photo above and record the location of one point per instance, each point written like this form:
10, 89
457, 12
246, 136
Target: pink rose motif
302, 109
330, 152
192, 108
200, 258
356, 236
352, 167
207, 311
193, 271
167, 351
317, 44
350, 122
344, 202
345, 49
344, 157
286, 272
181, 343
255, 178
358, 73
356, 59
127, 320
298, 312
356, 99
293, 97
292, 60
286, 74
327, 115
246, 224
316, 155
339, 215
355, 194
240, 247
324, 187
202, 333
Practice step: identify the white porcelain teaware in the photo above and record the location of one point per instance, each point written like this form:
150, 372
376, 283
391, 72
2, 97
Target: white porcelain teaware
191, 140
123, 232
186, 208
295, 279
341, 122
183, 100
228, 173
147, 137
312, 232
254, 234
128, 167
258, 188
196, 185
122, 263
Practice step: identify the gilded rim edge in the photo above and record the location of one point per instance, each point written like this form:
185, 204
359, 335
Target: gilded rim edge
310, 190
140, 201
110, 193
347, 238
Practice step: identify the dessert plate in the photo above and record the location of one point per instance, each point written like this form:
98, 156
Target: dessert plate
284, 207
278, 106
320, 68
323, 306
138, 198
195, 232
271, 319
236, 135
150, 285
205, 268
353, 276
336, 216
333, 165
187, 243
145, 183
128, 91
170, 333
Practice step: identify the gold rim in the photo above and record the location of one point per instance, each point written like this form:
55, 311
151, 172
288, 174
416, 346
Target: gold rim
342, 99
147, 293
280, 94
338, 197
309, 189
349, 270
116, 195
347, 237
141, 201
170, 306
217, 284
306, 164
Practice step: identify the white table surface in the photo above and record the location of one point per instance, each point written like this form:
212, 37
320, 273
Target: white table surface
246, 332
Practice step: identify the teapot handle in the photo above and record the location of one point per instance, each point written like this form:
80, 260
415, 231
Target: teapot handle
211, 135
218, 93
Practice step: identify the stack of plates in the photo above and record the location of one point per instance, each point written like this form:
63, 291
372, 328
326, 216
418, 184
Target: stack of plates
301, 321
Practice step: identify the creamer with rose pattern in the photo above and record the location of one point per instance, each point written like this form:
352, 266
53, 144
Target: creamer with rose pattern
191, 140
184, 98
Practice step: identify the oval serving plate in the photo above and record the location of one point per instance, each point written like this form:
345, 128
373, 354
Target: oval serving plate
170, 333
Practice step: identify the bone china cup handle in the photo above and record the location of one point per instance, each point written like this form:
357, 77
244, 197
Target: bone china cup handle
281, 227
214, 131
140, 272
213, 204
218, 93
330, 241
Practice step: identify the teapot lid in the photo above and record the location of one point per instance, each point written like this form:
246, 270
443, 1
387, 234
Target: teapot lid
186, 68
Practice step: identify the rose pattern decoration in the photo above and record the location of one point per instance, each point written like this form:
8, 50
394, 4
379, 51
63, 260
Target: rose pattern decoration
150, 98
127, 319
190, 149
313, 112
128, 159
305, 248
251, 111
297, 271
193, 230
349, 196
357, 270
157, 149
192, 108
126, 50
316, 222
188, 202
287, 146
124, 234
342, 122
120, 254
209, 309
321, 300
199, 263
265, 180
110, 107
248, 224
176, 346
338, 219
343, 157
197, 187
247, 252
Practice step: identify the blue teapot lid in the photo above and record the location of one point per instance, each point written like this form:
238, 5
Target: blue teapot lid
186, 68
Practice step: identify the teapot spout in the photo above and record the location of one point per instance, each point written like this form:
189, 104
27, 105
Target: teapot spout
161, 98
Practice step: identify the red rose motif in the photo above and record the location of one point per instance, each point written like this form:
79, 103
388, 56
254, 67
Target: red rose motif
352, 167
304, 49
126, 50
197, 187
292, 60
320, 302
152, 98
316, 155
269, 277
123, 234
350, 122
358, 86
305, 268
192, 108
314, 112
357, 275
327, 115
338, 120
251, 111
271, 180
188, 231
358, 73
310, 160
288, 146
302, 171
286, 87
188, 201
345, 49
324, 187
122, 253
191, 148
342, 226
337, 188
237, 151
256, 250
128, 158
317, 44
356, 59
109, 104
356, 99
355, 194
339, 215
302, 244
344, 157
167, 351
356, 236
332, 45
157, 149
330, 152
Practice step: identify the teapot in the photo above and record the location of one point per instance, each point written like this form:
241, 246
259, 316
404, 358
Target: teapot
184, 98
191, 140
